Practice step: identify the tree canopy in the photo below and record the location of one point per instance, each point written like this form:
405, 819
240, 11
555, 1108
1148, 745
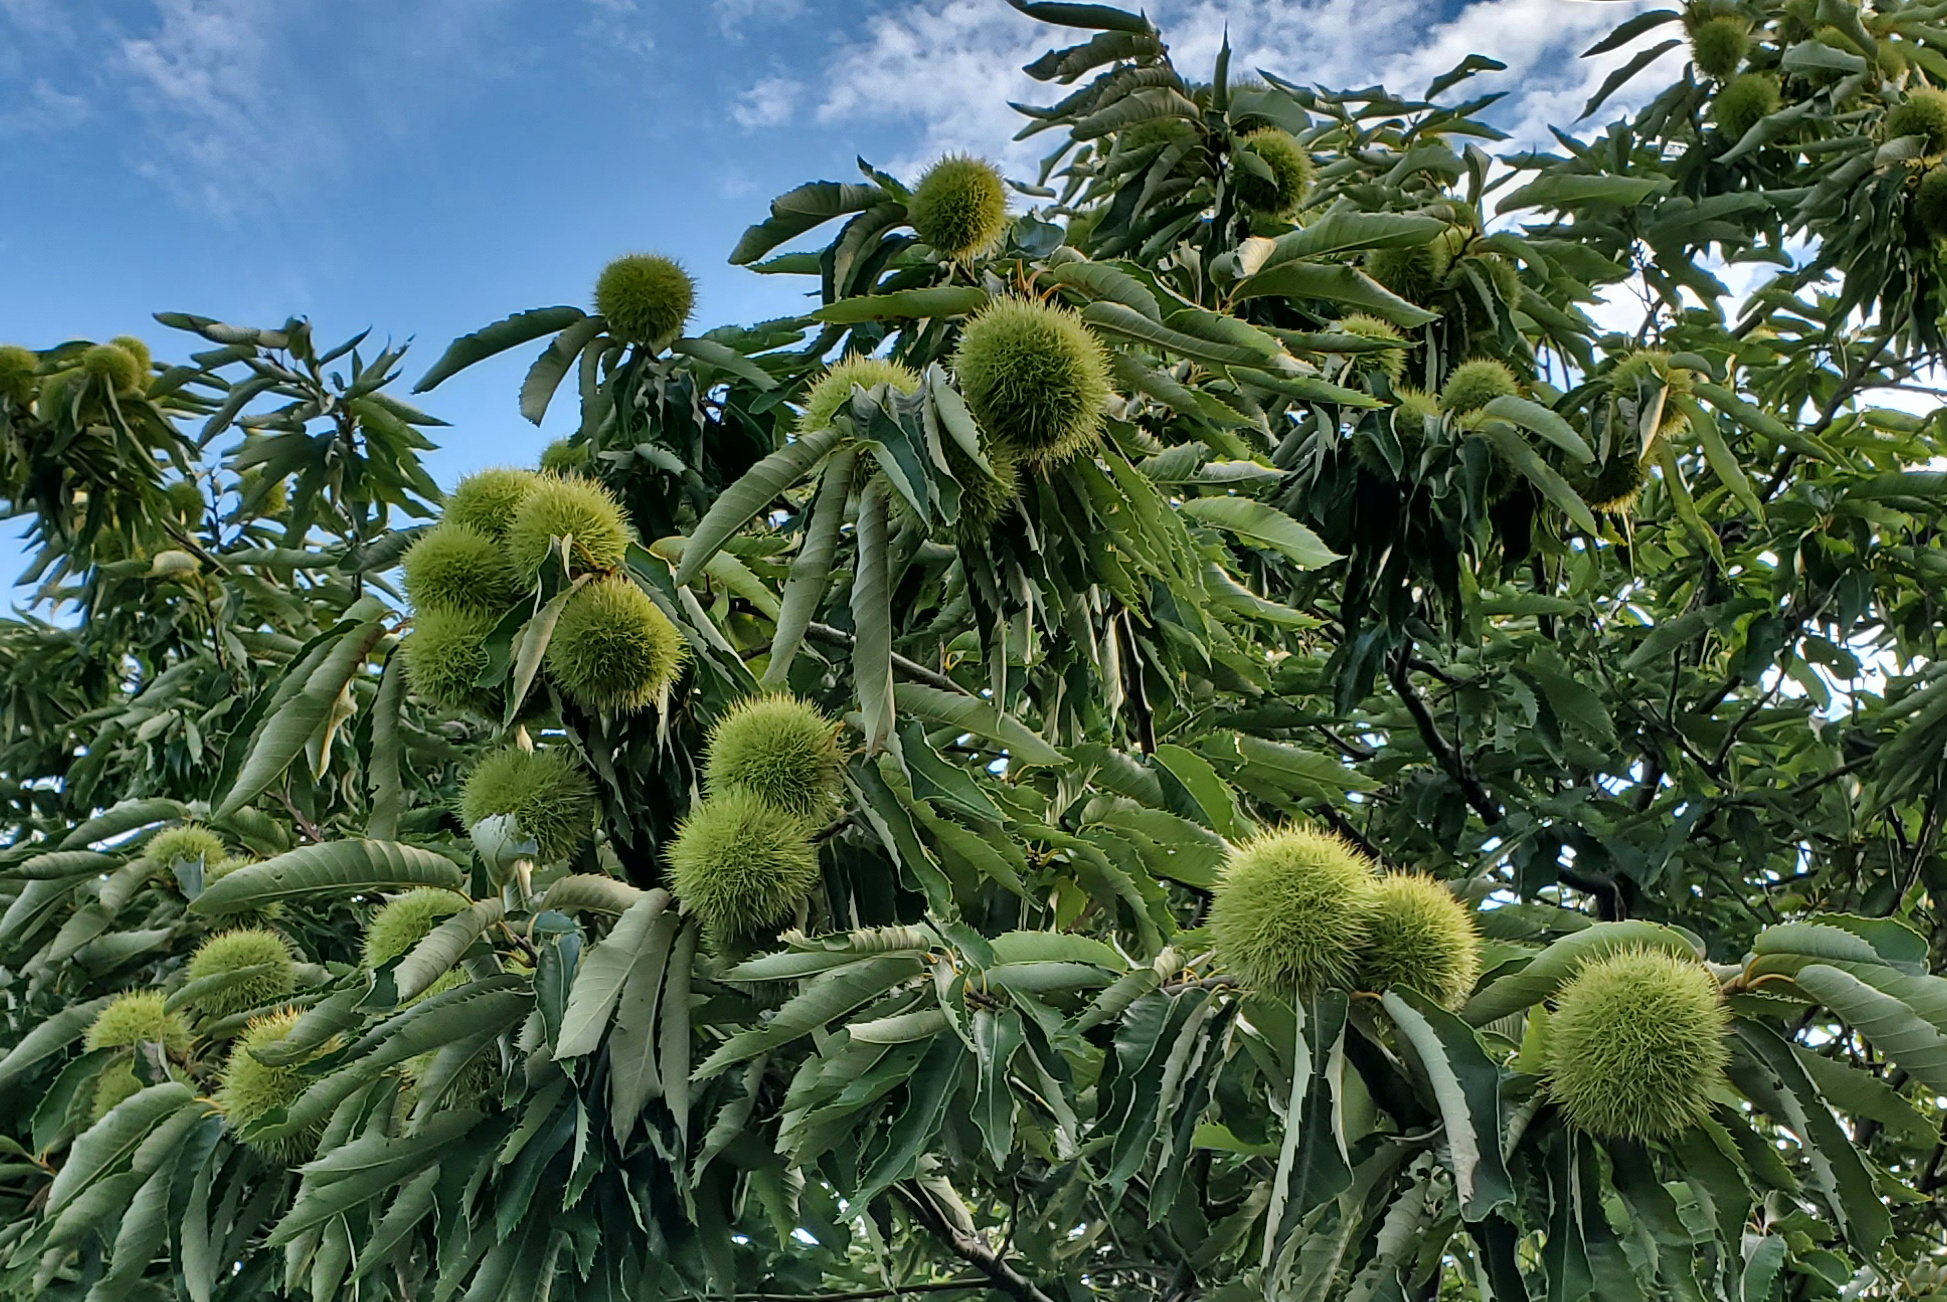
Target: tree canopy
1194, 727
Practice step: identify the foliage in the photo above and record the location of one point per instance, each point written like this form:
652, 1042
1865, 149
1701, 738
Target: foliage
1633, 650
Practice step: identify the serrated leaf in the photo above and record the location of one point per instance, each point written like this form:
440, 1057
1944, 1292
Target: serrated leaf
872, 620
114, 1138
553, 365
805, 587
828, 996
434, 956
757, 489
904, 305
602, 973
1344, 230
1262, 526
634, 1050
974, 715
1467, 1086
1334, 283
49, 1036
800, 210
591, 893
508, 332
334, 868
1520, 454
1537, 419
1560, 961
291, 724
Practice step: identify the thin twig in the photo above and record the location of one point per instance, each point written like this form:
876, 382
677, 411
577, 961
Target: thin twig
910, 668
1450, 759
304, 825
866, 1294
1830, 412
1343, 826
970, 1249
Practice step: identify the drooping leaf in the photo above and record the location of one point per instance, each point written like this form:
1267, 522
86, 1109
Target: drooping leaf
333, 868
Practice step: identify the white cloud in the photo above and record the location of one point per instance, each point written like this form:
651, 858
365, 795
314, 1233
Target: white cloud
44, 110
947, 67
768, 103
201, 80
231, 107
620, 25
733, 14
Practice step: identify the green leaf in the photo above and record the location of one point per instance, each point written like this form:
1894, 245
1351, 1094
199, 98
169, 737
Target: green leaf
590, 893
1088, 16
725, 358
334, 868
827, 996
1262, 526
800, 210
434, 956
1537, 419
1723, 462
1120, 319
674, 1056
144, 1230
1519, 453
1614, 82
49, 1036
1874, 1002
410, 1206
530, 644
605, 969
291, 725
122, 818
349, 1176
1557, 963
1861, 1094
757, 489
65, 865
115, 1138
904, 305
190, 993
1561, 189
1631, 28
508, 332
933, 1083
1345, 230
553, 365
1838, 1172
997, 1036
382, 774
635, 1049
1467, 1086
1103, 280
974, 715
1210, 792
1335, 283
872, 619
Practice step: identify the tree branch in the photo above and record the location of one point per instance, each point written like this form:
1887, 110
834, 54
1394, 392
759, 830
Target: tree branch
970, 1249
1343, 826
1830, 412
914, 670
1450, 759
865, 1294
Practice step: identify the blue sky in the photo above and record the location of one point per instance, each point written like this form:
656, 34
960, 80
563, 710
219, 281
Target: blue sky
426, 166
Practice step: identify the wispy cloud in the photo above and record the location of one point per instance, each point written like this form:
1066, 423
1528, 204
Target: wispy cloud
734, 15
947, 67
618, 24
768, 103
200, 80
44, 110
